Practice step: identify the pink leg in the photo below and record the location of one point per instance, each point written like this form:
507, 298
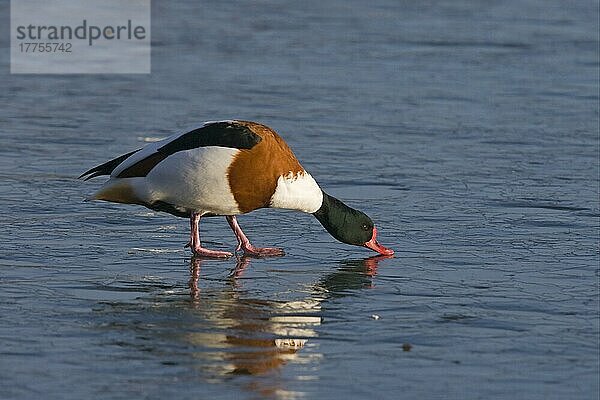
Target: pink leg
244, 243
195, 240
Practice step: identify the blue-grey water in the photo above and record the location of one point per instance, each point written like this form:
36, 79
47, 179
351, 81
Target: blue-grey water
467, 130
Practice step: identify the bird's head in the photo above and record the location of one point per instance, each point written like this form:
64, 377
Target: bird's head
349, 225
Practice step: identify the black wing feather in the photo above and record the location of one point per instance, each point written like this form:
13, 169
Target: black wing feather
106, 168
223, 134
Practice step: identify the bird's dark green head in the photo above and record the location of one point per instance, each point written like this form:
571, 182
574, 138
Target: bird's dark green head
349, 225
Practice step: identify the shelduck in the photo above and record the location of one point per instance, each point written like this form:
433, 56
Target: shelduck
227, 168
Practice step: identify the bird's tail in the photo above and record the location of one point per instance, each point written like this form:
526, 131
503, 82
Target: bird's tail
117, 191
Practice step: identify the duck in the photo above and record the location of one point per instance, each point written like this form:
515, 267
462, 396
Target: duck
228, 168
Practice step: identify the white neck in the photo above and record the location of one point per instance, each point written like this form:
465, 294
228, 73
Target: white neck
297, 192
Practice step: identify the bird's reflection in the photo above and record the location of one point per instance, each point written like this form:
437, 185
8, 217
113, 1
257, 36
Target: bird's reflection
232, 330
249, 336
226, 332
352, 275
195, 267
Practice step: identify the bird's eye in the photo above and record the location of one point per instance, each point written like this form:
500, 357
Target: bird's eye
365, 227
